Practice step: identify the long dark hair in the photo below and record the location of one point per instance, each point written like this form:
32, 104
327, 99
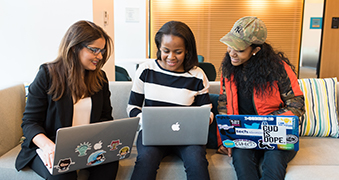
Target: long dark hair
180, 29
260, 71
66, 70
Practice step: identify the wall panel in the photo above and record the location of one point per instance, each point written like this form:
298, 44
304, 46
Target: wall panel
329, 62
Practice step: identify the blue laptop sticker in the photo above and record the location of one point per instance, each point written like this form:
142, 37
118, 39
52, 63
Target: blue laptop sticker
252, 126
259, 132
228, 143
96, 158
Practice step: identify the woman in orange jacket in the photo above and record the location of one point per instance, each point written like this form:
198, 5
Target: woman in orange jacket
257, 81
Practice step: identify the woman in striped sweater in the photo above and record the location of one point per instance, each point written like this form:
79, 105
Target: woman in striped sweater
173, 79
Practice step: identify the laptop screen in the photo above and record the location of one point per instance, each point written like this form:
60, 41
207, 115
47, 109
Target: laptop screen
259, 132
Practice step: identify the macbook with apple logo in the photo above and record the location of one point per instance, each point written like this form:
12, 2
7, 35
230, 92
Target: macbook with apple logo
84, 146
173, 125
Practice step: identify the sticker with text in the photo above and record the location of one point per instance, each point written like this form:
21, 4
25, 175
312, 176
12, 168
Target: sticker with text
291, 139
274, 134
285, 121
228, 144
286, 146
235, 122
248, 132
244, 143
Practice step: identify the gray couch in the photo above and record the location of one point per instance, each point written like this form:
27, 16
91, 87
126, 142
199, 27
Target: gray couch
318, 158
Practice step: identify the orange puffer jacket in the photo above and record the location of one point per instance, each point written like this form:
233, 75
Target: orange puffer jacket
274, 103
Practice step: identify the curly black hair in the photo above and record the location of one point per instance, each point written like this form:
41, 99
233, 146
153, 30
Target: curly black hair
260, 71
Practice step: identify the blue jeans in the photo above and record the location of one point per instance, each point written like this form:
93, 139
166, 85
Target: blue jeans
149, 158
274, 163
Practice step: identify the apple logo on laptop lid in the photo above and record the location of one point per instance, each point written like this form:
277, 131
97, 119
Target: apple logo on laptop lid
176, 126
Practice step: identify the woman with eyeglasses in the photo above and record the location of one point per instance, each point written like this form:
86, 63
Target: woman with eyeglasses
70, 91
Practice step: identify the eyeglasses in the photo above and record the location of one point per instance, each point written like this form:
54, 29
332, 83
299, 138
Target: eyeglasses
96, 51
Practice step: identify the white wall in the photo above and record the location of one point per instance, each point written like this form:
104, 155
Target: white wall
30, 34
310, 44
129, 34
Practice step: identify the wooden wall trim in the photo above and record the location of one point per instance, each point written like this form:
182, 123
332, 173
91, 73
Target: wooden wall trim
329, 61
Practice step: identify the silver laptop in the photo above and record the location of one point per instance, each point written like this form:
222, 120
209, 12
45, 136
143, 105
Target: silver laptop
89, 145
175, 125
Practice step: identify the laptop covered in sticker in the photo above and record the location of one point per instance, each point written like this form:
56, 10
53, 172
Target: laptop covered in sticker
93, 144
259, 132
175, 125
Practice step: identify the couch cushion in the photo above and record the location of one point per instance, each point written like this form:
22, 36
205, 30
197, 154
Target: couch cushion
12, 107
309, 172
320, 118
7, 167
317, 151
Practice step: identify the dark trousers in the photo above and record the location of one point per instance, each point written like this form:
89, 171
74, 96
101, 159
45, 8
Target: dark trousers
104, 171
274, 163
149, 158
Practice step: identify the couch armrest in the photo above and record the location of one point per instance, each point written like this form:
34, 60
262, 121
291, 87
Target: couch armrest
12, 106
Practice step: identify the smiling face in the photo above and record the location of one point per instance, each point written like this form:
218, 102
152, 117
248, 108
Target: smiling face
87, 58
241, 57
172, 53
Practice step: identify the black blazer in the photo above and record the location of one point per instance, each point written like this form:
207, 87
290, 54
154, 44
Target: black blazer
43, 115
